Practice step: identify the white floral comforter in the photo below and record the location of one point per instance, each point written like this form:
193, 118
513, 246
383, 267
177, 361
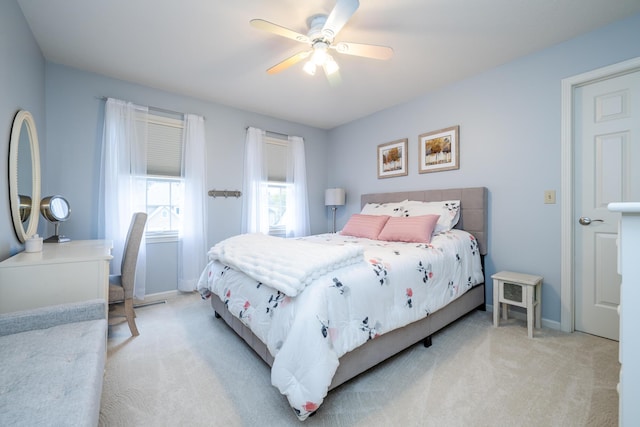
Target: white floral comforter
395, 284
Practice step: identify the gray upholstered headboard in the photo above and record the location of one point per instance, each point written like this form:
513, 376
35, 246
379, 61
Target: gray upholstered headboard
473, 207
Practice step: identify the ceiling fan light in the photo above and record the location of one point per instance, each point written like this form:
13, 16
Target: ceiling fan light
330, 65
319, 54
310, 68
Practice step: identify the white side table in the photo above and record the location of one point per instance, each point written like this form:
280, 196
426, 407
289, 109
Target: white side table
521, 290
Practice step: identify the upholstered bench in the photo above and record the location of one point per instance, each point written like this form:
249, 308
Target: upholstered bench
52, 362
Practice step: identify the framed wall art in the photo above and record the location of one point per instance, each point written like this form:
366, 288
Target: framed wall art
439, 150
392, 159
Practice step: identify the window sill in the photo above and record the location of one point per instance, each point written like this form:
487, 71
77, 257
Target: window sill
162, 238
278, 231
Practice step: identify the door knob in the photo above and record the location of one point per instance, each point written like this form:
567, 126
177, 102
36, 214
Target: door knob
585, 220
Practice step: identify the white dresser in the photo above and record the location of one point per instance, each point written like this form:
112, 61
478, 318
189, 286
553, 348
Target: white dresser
629, 268
62, 272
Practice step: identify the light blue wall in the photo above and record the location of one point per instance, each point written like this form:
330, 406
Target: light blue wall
22, 79
74, 128
509, 121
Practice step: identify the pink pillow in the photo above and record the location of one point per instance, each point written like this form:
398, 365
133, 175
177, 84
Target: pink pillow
414, 229
367, 226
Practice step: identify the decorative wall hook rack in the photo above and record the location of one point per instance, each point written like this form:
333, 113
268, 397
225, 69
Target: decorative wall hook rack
224, 193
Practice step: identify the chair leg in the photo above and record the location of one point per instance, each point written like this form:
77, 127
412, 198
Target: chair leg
130, 314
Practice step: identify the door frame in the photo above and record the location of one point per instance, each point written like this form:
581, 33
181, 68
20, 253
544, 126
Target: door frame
567, 320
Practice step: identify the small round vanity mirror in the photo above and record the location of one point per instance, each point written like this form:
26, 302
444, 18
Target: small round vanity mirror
55, 209
24, 175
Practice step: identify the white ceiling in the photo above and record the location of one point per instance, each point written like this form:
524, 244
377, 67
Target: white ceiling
208, 50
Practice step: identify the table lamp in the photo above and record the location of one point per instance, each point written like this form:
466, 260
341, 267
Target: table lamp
334, 197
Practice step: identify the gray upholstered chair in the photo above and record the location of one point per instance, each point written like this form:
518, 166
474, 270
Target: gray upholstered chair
121, 286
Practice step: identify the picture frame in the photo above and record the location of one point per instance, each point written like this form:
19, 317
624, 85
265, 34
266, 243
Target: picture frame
392, 159
439, 150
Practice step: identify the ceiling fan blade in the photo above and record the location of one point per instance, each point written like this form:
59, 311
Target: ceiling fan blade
341, 13
365, 50
292, 60
261, 24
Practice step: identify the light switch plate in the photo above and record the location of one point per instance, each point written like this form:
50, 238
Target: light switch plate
550, 197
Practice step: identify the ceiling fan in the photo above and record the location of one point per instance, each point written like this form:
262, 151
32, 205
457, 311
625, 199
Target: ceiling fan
321, 36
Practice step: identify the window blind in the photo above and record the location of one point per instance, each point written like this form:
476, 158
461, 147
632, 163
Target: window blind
164, 146
276, 152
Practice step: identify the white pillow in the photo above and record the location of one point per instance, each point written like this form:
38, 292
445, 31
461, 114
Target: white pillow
449, 211
392, 209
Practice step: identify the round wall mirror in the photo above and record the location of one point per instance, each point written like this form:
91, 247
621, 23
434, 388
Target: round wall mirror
24, 175
55, 209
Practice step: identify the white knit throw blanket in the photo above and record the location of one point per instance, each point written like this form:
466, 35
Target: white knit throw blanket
287, 265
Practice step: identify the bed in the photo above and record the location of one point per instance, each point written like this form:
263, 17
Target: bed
338, 346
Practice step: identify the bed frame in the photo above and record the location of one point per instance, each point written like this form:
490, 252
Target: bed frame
473, 218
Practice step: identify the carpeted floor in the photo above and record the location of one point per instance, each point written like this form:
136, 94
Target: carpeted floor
189, 369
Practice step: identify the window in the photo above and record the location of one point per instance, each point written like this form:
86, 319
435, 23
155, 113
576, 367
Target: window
164, 196
165, 186
277, 187
278, 208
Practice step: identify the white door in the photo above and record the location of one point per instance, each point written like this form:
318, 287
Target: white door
607, 169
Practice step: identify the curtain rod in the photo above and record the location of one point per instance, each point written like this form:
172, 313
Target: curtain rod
162, 110
272, 132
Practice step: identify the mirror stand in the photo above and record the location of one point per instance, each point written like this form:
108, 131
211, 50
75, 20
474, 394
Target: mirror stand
56, 238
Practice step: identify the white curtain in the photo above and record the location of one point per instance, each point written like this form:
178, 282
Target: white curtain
255, 206
123, 180
297, 204
192, 253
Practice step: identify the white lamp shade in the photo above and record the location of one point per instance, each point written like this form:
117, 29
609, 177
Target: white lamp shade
334, 197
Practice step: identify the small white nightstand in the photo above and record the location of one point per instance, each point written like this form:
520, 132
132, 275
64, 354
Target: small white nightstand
522, 290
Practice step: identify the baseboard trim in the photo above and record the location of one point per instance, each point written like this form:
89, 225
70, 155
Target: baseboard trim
521, 315
513, 311
159, 296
